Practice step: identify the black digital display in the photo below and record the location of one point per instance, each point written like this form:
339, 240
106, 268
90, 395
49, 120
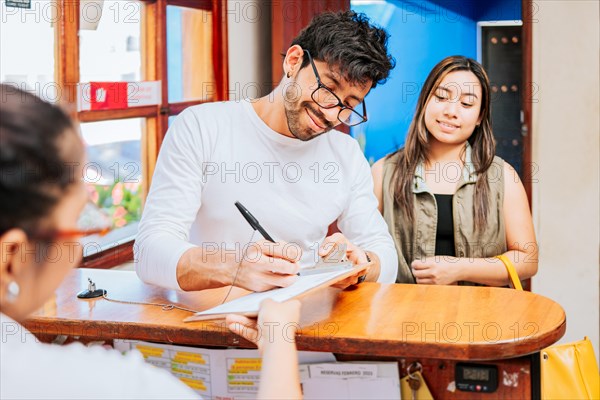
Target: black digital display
476, 374
476, 377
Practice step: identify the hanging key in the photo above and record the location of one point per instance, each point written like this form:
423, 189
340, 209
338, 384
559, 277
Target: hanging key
414, 381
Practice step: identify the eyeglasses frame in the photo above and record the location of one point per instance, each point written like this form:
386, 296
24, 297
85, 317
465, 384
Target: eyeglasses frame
340, 104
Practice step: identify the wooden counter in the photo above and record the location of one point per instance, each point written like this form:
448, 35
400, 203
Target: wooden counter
438, 325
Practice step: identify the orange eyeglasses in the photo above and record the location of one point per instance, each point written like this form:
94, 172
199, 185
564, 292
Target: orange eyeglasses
92, 221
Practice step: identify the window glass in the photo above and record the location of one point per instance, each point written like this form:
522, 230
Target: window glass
189, 39
27, 48
109, 41
113, 170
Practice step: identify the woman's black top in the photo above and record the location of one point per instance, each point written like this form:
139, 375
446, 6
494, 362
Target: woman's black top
444, 238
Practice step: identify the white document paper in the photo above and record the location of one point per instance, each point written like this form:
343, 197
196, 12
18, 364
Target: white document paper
349, 381
194, 367
342, 370
250, 303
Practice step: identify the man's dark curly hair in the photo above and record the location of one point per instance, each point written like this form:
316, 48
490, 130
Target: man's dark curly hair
346, 40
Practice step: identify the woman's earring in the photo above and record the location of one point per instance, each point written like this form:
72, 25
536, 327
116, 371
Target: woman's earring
289, 74
13, 292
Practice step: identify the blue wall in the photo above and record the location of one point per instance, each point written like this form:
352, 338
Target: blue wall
421, 34
498, 10
482, 10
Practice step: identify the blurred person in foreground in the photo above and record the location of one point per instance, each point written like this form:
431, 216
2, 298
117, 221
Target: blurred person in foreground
42, 200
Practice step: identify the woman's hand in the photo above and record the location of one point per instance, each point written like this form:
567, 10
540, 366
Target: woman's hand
436, 270
274, 333
277, 323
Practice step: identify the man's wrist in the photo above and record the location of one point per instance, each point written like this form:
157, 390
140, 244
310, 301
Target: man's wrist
198, 271
374, 267
362, 278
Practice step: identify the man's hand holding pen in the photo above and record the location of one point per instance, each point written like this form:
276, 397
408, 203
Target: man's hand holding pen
268, 265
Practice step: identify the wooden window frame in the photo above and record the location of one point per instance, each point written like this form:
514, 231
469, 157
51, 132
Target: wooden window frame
154, 68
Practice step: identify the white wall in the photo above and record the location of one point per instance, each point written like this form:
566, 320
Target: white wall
566, 145
249, 42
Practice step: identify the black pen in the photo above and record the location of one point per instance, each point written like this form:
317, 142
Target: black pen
253, 221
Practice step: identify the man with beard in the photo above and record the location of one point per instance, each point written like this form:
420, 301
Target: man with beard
280, 157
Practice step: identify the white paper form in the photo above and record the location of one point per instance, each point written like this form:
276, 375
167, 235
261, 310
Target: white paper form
242, 369
237, 372
190, 365
242, 372
250, 303
349, 381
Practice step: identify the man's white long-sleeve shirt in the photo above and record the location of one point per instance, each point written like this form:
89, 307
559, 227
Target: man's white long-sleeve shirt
218, 153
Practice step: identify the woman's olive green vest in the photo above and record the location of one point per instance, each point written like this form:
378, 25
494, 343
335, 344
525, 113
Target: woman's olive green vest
417, 240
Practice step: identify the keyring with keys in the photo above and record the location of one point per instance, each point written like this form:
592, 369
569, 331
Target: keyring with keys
414, 380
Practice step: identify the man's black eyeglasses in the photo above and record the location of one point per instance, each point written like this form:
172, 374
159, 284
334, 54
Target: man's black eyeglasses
325, 98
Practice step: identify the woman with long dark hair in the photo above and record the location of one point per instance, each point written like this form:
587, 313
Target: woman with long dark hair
451, 205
